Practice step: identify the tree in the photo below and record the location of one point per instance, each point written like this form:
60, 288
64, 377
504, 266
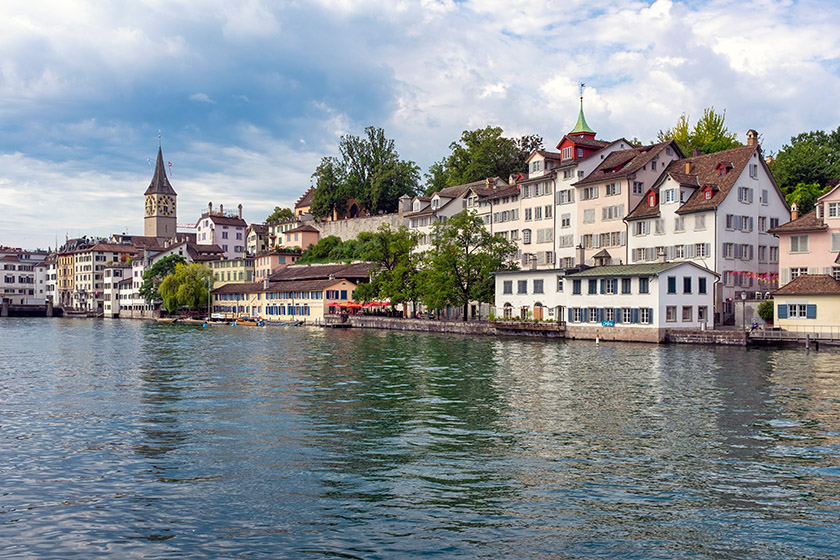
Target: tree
187, 287
811, 157
765, 311
480, 154
805, 196
369, 170
709, 134
394, 265
153, 277
280, 215
461, 263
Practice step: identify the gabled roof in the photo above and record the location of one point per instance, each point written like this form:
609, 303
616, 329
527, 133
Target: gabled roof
705, 169
625, 162
259, 229
808, 222
644, 210
227, 220
160, 184
314, 271
810, 284
111, 247
641, 269
277, 286
306, 198
305, 228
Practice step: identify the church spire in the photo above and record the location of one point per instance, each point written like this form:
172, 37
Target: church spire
160, 184
581, 126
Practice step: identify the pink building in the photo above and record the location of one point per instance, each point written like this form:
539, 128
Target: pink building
810, 244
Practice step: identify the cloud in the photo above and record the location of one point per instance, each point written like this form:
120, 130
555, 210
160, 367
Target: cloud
202, 97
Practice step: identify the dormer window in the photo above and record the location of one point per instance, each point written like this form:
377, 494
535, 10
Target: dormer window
568, 152
416, 206
708, 194
435, 203
652, 200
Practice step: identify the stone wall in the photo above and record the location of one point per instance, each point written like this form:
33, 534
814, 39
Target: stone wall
351, 228
623, 334
721, 338
423, 325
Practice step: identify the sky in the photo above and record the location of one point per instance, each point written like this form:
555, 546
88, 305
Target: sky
248, 96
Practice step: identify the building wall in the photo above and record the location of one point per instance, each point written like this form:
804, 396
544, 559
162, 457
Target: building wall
826, 307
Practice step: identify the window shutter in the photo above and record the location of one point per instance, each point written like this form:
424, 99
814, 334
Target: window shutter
811, 311
617, 314
785, 278
571, 314
650, 316
782, 311
708, 249
750, 199
600, 314
669, 252
584, 315
634, 315
813, 270
622, 237
603, 286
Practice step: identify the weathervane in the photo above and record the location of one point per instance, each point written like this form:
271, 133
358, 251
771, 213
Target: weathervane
581, 87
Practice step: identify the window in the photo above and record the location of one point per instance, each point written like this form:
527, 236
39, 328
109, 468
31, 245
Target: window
833, 210
686, 284
797, 271
559, 283
610, 286
687, 313
644, 285
609, 314
588, 193
672, 284
754, 170
799, 243
774, 223
536, 166
593, 314
699, 222
224, 235
638, 187
835, 242
679, 224
669, 195
762, 224
659, 226
644, 315
626, 315
745, 195
641, 228
728, 250
613, 189
565, 196
507, 287
538, 213
528, 214
577, 316
538, 286
576, 287
671, 313
548, 211
589, 216
526, 236
567, 152
701, 285
522, 287
565, 220
625, 285
593, 287
702, 250
613, 212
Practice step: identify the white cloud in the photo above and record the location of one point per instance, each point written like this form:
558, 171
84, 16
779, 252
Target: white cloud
202, 97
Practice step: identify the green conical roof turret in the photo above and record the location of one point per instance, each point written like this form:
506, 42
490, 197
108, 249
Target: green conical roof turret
581, 125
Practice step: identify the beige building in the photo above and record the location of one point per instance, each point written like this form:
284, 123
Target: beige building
809, 303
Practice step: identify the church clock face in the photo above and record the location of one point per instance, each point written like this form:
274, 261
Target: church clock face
166, 205
150, 205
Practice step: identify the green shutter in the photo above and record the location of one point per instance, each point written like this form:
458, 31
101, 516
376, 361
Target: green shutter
783, 311
811, 311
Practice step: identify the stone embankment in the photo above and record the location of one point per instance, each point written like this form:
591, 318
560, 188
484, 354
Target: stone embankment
720, 338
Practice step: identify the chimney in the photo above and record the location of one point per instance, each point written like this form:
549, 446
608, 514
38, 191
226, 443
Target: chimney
581, 255
660, 256
697, 152
487, 182
240, 211
794, 211
752, 137
209, 207
687, 167
222, 209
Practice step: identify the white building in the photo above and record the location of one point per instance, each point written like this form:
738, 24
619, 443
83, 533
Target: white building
715, 210
615, 302
228, 231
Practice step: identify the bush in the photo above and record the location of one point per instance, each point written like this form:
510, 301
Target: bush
765, 310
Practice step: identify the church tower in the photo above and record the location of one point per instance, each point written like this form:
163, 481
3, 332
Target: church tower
161, 217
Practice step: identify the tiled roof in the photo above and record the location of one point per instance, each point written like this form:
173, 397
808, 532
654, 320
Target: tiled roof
808, 222
303, 228
315, 271
633, 269
549, 155
160, 184
623, 162
306, 199
705, 168
228, 220
259, 229
279, 286
810, 284
112, 247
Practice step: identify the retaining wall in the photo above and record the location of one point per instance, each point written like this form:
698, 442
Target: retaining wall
722, 338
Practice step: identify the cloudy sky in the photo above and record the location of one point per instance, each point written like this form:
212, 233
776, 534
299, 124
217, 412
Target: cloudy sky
249, 95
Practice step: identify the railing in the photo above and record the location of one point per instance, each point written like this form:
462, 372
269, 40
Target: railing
799, 332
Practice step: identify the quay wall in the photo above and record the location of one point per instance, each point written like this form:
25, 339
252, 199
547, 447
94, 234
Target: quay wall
721, 338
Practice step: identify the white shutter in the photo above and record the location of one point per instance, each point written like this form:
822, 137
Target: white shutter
813, 270
784, 276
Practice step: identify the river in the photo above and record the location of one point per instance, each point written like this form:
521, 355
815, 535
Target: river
130, 439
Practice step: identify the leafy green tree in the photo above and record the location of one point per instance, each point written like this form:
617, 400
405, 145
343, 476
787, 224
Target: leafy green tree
805, 196
811, 157
153, 277
765, 310
280, 215
369, 170
480, 154
461, 263
394, 265
186, 288
709, 134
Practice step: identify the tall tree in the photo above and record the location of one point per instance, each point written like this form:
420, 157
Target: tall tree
709, 134
186, 288
480, 154
811, 157
153, 277
804, 196
369, 170
394, 265
280, 215
461, 263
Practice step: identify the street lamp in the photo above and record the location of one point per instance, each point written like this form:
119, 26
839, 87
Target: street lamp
743, 309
